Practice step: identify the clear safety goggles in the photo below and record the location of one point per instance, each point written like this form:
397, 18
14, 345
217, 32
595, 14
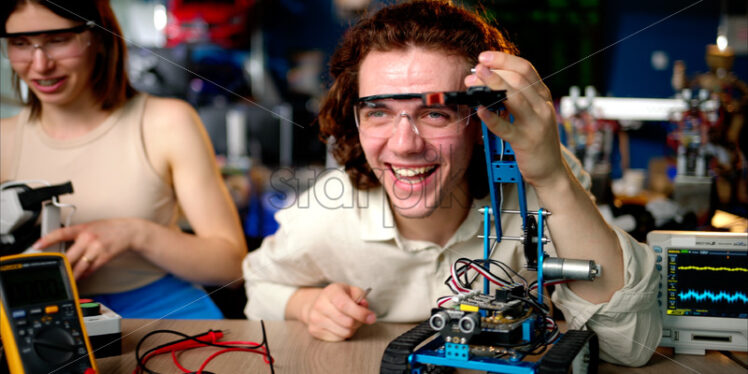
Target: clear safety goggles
378, 116
55, 44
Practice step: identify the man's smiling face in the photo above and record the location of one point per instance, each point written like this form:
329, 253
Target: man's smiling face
419, 174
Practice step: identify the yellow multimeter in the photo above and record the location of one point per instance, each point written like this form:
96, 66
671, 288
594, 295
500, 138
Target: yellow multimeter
40, 318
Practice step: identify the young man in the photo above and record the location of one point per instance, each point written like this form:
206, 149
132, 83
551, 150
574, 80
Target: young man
405, 209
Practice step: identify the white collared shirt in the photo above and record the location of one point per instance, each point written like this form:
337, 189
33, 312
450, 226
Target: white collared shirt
336, 233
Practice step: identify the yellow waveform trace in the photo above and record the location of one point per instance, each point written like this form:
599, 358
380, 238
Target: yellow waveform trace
704, 268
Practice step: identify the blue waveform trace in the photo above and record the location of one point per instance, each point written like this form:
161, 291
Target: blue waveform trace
722, 295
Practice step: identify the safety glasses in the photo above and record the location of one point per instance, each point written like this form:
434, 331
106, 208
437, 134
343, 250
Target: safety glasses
56, 44
378, 116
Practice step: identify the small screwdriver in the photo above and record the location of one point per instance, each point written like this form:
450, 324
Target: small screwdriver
361, 298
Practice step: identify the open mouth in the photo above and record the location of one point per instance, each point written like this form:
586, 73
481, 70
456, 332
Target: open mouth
413, 174
48, 82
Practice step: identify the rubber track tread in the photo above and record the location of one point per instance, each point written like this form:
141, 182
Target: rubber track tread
395, 357
558, 359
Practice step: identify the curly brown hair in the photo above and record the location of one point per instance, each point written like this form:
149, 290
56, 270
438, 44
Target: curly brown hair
430, 24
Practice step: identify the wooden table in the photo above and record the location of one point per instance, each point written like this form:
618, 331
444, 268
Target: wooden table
295, 351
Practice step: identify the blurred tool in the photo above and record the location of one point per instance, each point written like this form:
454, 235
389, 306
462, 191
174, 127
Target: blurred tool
21, 207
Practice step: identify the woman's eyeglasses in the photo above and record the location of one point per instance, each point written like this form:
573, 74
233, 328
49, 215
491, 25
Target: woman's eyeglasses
55, 44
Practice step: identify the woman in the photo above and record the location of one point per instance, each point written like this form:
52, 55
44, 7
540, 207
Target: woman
132, 159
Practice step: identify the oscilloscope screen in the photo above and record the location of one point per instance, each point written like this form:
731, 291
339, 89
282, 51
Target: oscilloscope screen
707, 283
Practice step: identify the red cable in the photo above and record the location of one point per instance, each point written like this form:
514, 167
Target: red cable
208, 337
261, 351
215, 354
238, 343
176, 362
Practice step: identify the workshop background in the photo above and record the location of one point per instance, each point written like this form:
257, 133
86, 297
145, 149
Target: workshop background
255, 70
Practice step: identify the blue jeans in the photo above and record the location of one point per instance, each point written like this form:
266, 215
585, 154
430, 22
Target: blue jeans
168, 298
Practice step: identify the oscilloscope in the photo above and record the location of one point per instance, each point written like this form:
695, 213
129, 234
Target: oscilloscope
703, 292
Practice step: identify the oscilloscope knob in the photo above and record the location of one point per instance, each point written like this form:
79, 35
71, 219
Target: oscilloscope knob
54, 345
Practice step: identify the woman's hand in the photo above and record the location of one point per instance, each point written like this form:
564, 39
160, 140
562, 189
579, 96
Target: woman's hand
534, 133
94, 243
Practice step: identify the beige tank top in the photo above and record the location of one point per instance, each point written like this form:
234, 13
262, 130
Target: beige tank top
112, 178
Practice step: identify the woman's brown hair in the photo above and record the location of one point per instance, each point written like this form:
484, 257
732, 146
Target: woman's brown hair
109, 79
431, 24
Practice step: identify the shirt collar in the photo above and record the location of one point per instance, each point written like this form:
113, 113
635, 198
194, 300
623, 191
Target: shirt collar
378, 223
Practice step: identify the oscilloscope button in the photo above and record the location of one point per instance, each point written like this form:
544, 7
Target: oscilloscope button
659, 267
657, 249
659, 258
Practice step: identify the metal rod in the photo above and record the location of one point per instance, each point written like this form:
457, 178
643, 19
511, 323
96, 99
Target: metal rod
513, 211
517, 238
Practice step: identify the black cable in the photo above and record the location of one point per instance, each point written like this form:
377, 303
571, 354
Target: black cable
139, 359
540, 342
734, 358
466, 281
460, 282
142, 365
464, 268
267, 347
506, 267
499, 264
449, 284
529, 297
541, 339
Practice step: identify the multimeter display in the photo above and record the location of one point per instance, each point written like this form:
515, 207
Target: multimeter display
36, 284
40, 321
